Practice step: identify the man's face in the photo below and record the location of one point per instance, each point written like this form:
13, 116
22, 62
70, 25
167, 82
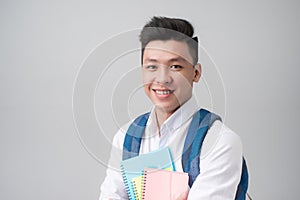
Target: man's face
168, 74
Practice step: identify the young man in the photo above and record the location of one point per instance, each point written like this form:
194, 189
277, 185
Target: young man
170, 68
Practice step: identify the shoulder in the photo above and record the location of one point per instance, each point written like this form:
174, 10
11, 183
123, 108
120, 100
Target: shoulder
221, 139
120, 135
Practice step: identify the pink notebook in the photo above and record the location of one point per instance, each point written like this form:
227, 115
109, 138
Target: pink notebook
164, 185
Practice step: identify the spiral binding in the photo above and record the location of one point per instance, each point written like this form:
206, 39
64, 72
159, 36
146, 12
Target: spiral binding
126, 182
135, 191
144, 185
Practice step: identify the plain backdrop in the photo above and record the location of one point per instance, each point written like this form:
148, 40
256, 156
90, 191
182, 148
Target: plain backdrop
252, 46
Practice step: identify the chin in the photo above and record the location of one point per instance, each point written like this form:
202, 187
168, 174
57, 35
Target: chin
167, 108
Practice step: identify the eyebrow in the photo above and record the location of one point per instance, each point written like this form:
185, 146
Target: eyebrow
151, 60
176, 59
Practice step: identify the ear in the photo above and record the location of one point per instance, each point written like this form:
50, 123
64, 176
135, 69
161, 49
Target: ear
197, 72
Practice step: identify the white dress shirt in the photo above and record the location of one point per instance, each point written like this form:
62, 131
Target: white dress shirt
220, 157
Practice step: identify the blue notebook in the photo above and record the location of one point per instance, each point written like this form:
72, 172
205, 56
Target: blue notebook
134, 167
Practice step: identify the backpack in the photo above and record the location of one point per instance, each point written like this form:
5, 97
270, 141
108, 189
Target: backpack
201, 122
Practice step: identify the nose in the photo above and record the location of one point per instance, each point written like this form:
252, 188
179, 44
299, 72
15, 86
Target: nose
163, 76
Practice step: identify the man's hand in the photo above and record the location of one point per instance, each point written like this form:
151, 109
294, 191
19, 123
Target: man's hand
183, 196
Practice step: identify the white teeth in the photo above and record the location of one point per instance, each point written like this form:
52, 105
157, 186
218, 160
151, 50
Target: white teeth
162, 92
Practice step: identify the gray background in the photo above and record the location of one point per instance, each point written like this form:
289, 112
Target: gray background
43, 44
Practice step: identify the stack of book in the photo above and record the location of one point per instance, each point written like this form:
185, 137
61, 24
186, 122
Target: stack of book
152, 176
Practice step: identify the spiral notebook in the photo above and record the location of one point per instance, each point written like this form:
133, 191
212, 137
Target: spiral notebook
138, 186
134, 167
163, 184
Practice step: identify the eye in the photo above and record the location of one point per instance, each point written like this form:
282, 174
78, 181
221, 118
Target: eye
176, 67
151, 67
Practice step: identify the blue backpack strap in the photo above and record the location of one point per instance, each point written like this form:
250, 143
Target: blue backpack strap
243, 185
200, 124
133, 137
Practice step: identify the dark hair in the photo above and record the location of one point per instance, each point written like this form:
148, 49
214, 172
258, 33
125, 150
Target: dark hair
164, 28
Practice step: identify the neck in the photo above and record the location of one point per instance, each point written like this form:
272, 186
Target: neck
162, 116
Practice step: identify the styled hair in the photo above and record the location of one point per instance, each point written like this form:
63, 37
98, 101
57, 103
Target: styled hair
164, 28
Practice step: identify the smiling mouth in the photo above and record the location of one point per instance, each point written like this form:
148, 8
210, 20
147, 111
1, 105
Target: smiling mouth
163, 92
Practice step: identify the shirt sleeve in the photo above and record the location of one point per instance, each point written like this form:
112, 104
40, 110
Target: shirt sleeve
220, 167
113, 186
